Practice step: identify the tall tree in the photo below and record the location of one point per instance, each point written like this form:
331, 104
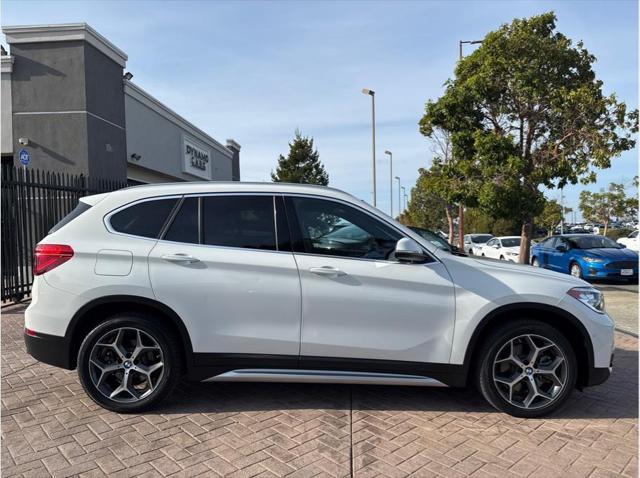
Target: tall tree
604, 205
526, 110
302, 164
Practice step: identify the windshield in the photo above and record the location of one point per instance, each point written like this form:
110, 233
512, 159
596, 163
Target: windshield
511, 242
433, 238
352, 232
593, 242
481, 238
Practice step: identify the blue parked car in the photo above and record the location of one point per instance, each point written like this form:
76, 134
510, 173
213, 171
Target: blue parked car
586, 256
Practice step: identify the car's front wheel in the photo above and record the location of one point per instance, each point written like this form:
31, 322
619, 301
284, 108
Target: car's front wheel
575, 270
527, 369
129, 363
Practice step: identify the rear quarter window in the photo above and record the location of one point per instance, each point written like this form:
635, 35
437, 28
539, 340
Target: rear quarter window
77, 211
144, 219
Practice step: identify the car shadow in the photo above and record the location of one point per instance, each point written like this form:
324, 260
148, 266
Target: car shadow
616, 398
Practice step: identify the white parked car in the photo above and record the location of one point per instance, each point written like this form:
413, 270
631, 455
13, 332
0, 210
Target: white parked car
473, 242
506, 248
631, 241
264, 282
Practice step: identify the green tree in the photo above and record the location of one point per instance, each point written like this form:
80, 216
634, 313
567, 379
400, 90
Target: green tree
605, 205
302, 165
525, 110
550, 216
426, 208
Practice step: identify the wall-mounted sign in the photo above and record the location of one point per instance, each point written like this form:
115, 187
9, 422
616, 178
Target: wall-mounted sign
25, 159
196, 158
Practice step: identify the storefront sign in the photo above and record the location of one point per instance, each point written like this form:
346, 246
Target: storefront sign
197, 158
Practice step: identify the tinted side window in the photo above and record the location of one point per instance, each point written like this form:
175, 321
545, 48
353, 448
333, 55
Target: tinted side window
184, 227
335, 229
144, 219
79, 209
239, 221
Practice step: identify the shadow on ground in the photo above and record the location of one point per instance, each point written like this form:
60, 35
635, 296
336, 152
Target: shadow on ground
603, 401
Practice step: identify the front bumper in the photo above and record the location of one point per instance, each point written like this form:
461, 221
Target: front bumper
50, 349
596, 376
592, 270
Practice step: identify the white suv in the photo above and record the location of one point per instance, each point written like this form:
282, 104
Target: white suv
278, 282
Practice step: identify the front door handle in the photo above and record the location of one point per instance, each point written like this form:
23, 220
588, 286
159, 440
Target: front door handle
180, 257
327, 271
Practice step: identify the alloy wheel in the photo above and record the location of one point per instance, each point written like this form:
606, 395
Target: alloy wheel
575, 270
126, 364
530, 371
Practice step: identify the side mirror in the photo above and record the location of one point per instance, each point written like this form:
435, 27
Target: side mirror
409, 251
496, 246
562, 248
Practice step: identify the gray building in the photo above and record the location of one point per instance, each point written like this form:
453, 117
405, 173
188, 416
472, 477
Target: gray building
67, 101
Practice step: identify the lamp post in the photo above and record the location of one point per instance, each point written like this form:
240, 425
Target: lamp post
390, 181
399, 187
468, 42
404, 195
373, 137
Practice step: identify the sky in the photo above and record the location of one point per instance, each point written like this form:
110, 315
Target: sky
257, 71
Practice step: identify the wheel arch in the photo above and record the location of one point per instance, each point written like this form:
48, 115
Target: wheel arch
559, 318
100, 309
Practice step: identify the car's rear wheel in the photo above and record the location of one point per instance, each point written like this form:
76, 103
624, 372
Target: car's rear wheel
129, 363
575, 270
535, 262
527, 369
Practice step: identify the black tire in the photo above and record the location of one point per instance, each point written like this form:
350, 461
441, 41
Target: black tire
502, 258
493, 344
167, 344
535, 262
578, 268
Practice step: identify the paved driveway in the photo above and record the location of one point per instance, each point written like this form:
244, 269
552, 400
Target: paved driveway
49, 427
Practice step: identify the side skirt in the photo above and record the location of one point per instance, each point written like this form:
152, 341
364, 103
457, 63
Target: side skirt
323, 376
288, 368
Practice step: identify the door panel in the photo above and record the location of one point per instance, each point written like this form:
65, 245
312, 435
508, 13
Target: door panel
376, 310
357, 301
232, 299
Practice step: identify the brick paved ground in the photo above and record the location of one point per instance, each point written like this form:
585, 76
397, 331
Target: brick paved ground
49, 427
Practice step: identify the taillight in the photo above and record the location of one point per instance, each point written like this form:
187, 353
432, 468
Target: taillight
50, 256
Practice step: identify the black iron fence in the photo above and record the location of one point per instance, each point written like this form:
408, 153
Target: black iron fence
33, 202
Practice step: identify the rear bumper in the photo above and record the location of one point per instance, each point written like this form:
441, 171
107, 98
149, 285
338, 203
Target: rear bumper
50, 349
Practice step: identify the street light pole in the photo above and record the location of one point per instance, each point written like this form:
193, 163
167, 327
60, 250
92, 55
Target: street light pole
404, 195
373, 137
399, 187
390, 182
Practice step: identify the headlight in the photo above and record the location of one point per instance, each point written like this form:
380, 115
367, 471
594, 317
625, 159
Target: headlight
593, 259
589, 296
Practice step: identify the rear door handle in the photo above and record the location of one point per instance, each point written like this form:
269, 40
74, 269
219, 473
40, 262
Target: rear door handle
180, 257
327, 271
